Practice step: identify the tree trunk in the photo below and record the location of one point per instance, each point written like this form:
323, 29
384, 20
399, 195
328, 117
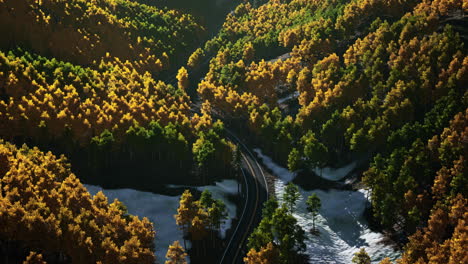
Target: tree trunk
204, 247
313, 222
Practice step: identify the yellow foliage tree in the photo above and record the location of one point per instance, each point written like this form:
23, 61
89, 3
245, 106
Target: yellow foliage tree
176, 254
182, 79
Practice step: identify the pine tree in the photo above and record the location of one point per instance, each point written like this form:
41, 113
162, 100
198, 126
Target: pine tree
206, 199
266, 255
361, 257
269, 207
195, 59
182, 79
217, 214
199, 226
56, 207
248, 53
176, 254
294, 159
34, 258
288, 233
186, 212
313, 206
291, 195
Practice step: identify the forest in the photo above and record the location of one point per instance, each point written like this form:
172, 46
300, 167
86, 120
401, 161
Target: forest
149, 94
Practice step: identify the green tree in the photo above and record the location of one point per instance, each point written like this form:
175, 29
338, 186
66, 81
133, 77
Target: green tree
280, 228
294, 160
288, 233
313, 206
203, 151
262, 235
269, 207
206, 199
315, 152
217, 213
215, 209
291, 195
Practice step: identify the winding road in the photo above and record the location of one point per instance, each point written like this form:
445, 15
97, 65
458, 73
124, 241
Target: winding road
255, 193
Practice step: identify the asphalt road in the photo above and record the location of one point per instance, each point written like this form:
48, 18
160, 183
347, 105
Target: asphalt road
255, 193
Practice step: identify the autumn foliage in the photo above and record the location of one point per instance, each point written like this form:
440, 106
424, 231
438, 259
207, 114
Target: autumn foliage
87, 112
314, 83
44, 207
83, 32
318, 83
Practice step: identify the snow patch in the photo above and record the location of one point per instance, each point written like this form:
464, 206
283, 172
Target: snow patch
335, 174
277, 170
332, 174
288, 97
341, 223
160, 210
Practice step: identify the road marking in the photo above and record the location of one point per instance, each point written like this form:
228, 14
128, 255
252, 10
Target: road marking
239, 247
242, 216
253, 215
252, 156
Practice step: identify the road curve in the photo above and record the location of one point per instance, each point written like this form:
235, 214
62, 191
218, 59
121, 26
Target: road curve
255, 193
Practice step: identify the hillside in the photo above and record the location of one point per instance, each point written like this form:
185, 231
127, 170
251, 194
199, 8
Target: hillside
382, 81
147, 93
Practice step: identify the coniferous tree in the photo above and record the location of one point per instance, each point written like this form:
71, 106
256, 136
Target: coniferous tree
361, 257
56, 206
313, 206
267, 255
182, 79
294, 160
291, 195
34, 258
288, 233
195, 59
176, 254
187, 211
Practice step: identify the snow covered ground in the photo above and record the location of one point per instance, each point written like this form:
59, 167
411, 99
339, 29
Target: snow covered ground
288, 97
335, 174
160, 210
343, 228
283, 173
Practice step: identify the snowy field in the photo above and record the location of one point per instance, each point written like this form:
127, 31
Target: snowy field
160, 210
343, 228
